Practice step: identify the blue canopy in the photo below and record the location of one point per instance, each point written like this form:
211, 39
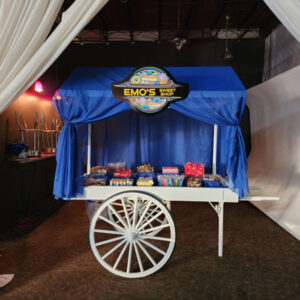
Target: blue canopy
182, 133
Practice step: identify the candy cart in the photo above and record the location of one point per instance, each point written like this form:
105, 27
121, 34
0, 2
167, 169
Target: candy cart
132, 234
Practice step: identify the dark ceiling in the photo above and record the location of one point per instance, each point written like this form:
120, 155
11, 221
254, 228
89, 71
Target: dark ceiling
182, 17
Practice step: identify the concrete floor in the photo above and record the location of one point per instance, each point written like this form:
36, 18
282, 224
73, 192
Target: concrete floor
261, 260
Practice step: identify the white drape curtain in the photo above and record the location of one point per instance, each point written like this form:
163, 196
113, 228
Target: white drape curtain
288, 12
274, 162
24, 53
282, 52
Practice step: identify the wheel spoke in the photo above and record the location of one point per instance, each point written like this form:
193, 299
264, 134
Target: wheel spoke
147, 219
113, 249
151, 220
131, 218
111, 223
155, 228
120, 256
129, 258
130, 203
108, 231
126, 212
148, 216
159, 238
134, 213
118, 216
146, 253
117, 204
153, 247
152, 212
160, 221
121, 211
120, 204
144, 213
118, 221
109, 241
138, 257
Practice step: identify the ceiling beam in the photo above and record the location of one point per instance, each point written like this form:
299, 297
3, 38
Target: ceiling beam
191, 17
102, 27
129, 18
268, 24
81, 41
220, 16
248, 17
159, 19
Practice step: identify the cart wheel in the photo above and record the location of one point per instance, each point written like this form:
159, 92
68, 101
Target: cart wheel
167, 204
129, 248
129, 203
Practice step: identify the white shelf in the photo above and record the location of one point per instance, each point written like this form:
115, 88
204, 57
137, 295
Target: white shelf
202, 194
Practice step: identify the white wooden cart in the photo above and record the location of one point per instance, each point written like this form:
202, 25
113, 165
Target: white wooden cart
132, 234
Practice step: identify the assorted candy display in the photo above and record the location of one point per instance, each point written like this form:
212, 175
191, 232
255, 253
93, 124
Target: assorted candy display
118, 166
193, 169
216, 178
145, 168
94, 180
145, 181
194, 182
170, 180
99, 170
193, 176
121, 182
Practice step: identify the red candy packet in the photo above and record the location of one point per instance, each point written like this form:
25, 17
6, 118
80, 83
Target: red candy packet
193, 169
122, 173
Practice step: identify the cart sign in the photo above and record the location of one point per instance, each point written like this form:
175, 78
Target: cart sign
149, 89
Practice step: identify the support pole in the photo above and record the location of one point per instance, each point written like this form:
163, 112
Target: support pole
221, 222
88, 161
215, 145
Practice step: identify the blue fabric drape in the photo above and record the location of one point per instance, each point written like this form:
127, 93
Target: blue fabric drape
166, 139
216, 97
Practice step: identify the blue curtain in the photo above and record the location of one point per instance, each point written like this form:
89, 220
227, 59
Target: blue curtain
165, 139
180, 134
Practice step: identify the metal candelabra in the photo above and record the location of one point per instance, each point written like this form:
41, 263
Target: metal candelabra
39, 131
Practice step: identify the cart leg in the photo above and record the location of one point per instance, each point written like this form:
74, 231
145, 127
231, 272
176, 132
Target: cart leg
220, 209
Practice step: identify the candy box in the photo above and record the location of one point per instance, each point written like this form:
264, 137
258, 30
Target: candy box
145, 181
170, 170
94, 180
170, 179
123, 173
145, 174
216, 178
121, 182
145, 168
194, 182
117, 166
194, 169
99, 170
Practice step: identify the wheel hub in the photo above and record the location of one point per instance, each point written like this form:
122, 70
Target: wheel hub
131, 235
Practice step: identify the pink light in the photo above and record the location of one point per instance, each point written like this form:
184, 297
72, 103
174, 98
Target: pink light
57, 95
38, 87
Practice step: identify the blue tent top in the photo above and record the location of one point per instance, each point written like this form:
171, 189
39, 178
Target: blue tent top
216, 96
